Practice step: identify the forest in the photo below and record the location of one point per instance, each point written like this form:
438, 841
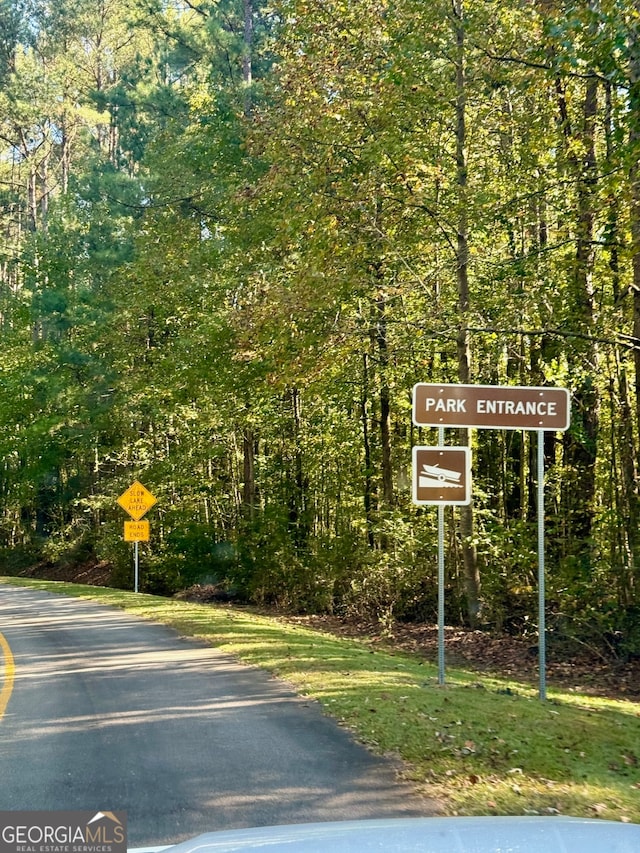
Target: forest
236, 233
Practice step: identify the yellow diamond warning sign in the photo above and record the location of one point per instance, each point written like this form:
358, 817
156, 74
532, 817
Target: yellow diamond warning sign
136, 531
136, 501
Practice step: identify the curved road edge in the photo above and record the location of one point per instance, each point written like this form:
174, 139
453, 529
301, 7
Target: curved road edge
7, 674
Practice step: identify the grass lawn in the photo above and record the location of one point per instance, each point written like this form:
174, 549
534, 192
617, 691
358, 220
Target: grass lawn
480, 745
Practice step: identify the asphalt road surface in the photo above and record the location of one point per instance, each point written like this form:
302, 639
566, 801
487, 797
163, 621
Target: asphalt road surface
103, 711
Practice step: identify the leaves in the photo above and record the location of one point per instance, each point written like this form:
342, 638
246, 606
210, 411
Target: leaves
231, 286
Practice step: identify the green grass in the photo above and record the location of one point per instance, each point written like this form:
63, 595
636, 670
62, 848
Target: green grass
480, 745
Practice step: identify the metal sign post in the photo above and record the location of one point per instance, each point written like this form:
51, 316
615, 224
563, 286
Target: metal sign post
542, 629
441, 595
441, 579
540, 409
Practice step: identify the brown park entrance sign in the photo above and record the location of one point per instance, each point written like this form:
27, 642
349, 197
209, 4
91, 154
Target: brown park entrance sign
439, 478
491, 407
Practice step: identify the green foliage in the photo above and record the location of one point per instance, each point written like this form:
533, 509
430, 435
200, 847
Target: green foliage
229, 251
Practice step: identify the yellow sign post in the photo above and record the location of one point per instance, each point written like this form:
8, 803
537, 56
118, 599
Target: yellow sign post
136, 501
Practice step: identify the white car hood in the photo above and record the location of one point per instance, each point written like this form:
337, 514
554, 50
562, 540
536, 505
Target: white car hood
425, 835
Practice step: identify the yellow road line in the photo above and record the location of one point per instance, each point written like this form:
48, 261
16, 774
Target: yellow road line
9, 672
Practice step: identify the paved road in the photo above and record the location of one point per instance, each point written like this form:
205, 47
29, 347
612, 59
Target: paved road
109, 712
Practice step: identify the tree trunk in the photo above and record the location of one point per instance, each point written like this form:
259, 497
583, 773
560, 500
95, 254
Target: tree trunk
634, 159
628, 494
634, 175
249, 479
298, 514
385, 402
247, 55
368, 480
469, 551
580, 443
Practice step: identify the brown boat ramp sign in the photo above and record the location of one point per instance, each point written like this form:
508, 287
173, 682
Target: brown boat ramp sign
491, 407
441, 475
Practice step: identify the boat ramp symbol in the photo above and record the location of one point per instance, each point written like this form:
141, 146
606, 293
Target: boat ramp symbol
435, 477
441, 475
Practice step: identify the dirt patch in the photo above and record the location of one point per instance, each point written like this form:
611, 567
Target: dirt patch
511, 657
92, 573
